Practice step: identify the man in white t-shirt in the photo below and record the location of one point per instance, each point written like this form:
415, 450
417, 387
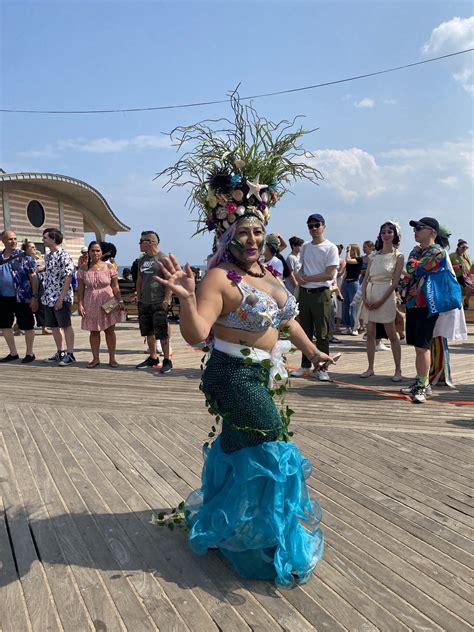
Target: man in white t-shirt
293, 262
319, 259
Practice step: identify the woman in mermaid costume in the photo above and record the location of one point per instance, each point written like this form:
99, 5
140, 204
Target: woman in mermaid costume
254, 505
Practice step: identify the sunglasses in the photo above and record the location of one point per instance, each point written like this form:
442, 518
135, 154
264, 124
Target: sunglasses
421, 226
315, 225
142, 240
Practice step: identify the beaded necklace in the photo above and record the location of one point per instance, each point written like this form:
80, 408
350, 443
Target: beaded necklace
255, 275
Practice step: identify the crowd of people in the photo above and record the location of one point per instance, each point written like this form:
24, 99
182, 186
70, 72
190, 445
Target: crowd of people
367, 294
356, 294
33, 288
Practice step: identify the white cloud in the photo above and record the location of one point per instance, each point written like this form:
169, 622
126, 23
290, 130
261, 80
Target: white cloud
450, 181
49, 151
366, 102
449, 37
439, 159
102, 145
355, 174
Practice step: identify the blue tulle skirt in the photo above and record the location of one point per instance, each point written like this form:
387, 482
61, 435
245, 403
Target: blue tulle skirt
254, 507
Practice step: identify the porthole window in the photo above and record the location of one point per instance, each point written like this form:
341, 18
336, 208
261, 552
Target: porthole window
35, 213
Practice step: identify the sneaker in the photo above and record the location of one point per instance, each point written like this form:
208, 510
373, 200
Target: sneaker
149, 363
10, 358
28, 358
334, 340
408, 390
323, 376
381, 347
354, 332
57, 357
68, 359
418, 395
300, 372
167, 366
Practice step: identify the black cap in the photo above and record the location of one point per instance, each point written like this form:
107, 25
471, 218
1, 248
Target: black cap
431, 222
316, 217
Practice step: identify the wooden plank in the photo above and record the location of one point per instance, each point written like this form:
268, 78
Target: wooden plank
366, 575
13, 610
101, 495
397, 513
54, 476
409, 443
174, 573
149, 590
393, 479
39, 600
422, 477
361, 600
382, 479
460, 453
421, 555
434, 469
399, 559
91, 589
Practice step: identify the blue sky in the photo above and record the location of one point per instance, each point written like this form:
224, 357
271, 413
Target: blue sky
396, 146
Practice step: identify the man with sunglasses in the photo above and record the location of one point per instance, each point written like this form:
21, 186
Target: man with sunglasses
426, 258
153, 302
319, 259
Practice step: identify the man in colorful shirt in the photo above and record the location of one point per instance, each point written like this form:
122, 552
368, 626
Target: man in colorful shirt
18, 296
58, 296
426, 258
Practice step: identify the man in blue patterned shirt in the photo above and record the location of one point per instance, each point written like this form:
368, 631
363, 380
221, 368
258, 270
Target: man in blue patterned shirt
18, 296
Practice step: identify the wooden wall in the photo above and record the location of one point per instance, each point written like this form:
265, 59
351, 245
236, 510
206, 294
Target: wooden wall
73, 228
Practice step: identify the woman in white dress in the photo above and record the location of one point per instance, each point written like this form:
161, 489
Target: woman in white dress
378, 295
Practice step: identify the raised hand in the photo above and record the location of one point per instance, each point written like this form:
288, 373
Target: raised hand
181, 282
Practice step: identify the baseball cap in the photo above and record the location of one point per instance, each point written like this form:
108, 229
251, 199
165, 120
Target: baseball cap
83, 250
316, 217
430, 222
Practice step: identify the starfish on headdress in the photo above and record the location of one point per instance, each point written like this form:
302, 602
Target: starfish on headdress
255, 188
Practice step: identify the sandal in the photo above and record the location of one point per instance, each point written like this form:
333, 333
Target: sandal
114, 365
367, 373
93, 364
396, 378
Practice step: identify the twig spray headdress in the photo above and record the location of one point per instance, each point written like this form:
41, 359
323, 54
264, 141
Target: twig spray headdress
240, 170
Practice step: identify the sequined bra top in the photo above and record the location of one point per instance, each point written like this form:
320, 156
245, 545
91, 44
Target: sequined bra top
258, 310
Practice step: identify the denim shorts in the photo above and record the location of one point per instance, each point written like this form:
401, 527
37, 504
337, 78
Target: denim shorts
57, 317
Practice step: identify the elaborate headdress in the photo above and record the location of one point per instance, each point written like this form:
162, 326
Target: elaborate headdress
238, 171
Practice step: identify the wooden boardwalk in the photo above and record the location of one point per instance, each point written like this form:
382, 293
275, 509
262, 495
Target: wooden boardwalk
86, 455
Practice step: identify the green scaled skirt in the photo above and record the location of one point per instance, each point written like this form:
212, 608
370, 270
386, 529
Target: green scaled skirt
253, 504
